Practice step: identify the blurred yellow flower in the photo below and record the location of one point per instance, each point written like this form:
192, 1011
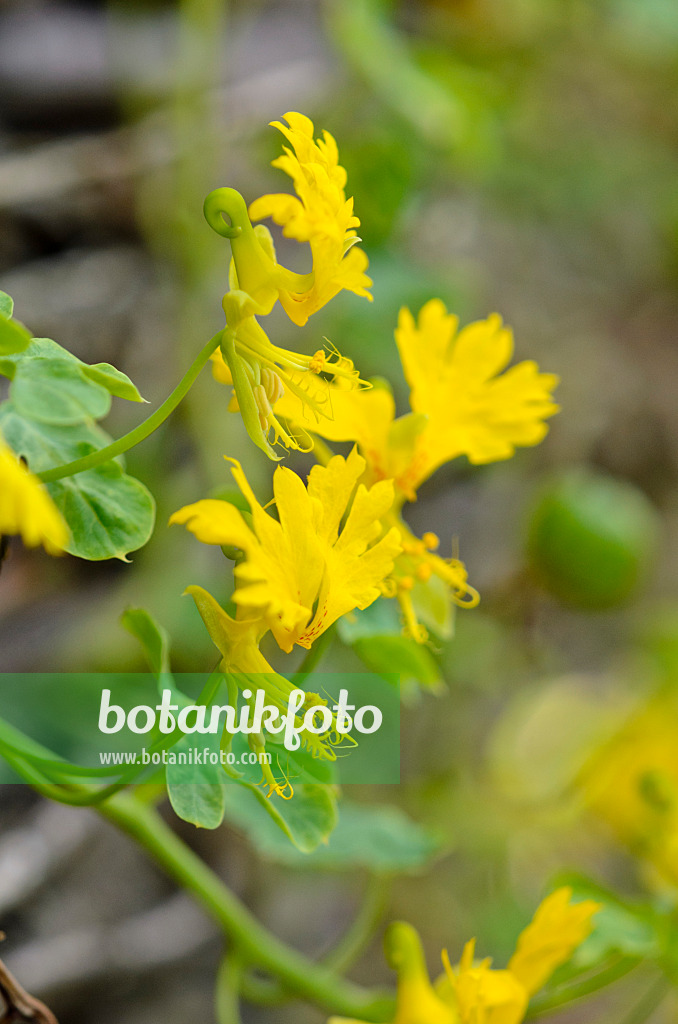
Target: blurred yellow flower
472, 993
321, 216
486, 996
632, 784
417, 1002
26, 507
302, 571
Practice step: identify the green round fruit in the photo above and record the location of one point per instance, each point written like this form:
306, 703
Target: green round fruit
592, 539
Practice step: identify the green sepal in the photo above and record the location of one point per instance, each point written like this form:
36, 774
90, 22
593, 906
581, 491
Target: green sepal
242, 386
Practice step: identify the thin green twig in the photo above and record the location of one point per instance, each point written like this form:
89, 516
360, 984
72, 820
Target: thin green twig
578, 990
270, 993
143, 430
652, 999
227, 990
301, 976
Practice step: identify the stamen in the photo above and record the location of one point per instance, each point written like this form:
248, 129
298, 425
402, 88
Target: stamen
317, 363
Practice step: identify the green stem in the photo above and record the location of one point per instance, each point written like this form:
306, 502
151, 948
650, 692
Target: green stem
578, 990
144, 429
312, 659
653, 998
270, 993
363, 926
227, 992
301, 976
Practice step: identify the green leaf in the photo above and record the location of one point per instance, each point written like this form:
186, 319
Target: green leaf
13, 335
196, 792
382, 839
6, 305
50, 384
109, 513
55, 391
115, 381
46, 445
306, 820
151, 635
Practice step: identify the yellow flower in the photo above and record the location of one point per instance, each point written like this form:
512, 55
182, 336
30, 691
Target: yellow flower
417, 1002
472, 993
485, 996
297, 574
472, 408
462, 404
301, 571
26, 507
321, 216
238, 640
632, 784
261, 373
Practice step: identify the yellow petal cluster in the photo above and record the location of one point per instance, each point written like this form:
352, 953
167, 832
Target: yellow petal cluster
473, 405
303, 570
325, 554
472, 992
26, 507
259, 371
461, 404
321, 216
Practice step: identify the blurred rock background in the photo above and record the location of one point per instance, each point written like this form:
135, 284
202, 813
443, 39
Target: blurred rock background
510, 155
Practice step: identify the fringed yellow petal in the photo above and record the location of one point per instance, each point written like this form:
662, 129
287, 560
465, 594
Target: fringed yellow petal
558, 927
321, 216
299, 572
472, 408
215, 522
